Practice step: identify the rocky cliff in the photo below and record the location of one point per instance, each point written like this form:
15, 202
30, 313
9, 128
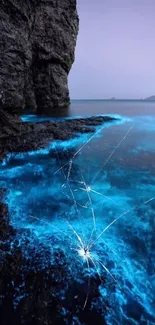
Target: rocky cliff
37, 44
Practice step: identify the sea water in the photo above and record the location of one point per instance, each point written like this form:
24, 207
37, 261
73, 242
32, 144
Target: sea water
93, 198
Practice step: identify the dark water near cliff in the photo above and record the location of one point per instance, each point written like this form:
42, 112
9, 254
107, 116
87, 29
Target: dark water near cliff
108, 180
93, 107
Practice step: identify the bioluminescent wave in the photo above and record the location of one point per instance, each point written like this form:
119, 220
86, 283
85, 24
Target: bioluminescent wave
93, 200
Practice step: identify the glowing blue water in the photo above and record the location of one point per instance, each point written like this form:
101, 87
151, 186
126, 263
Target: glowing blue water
44, 202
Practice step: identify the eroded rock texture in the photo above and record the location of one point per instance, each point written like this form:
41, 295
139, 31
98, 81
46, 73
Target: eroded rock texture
37, 44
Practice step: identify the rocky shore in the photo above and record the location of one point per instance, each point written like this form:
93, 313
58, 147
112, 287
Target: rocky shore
28, 303
37, 41
17, 136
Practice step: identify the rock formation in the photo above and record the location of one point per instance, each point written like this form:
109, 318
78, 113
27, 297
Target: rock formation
17, 136
10, 125
37, 43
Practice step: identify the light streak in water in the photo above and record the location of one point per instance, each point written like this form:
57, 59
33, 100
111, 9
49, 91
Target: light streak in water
120, 216
87, 251
76, 153
84, 251
90, 201
110, 156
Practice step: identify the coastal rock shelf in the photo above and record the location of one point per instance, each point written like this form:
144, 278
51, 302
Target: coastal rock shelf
17, 136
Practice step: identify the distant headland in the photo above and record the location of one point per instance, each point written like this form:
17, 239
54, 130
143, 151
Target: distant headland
150, 98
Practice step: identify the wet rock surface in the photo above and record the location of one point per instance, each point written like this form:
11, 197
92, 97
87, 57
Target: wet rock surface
37, 44
17, 136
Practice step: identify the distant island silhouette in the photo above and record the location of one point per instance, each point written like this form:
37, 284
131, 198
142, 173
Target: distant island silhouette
150, 98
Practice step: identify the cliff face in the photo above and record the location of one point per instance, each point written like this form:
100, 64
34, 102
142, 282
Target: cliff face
37, 44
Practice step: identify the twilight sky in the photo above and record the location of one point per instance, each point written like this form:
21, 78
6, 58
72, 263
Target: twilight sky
115, 53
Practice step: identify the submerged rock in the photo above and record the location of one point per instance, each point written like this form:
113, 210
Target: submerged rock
37, 41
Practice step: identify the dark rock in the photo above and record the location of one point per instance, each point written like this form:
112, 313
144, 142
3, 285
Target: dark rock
11, 124
37, 43
17, 136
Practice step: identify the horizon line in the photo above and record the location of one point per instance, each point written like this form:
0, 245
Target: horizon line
112, 100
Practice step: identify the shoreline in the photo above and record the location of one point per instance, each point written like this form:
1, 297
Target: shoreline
20, 137
24, 137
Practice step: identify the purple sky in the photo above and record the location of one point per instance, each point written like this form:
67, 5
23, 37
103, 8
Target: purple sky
115, 53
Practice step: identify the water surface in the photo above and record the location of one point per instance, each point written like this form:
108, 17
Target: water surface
103, 197
93, 107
